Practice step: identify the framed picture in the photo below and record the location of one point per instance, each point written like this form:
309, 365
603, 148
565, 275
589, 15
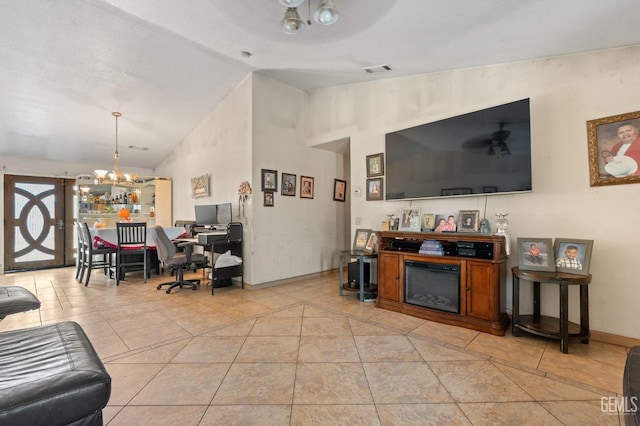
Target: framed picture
268, 199
339, 190
374, 189
455, 191
370, 247
428, 221
306, 187
361, 238
375, 165
535, 254
269, 180
468, 220
288, 184
410, 220
573, 256
445, 223
200, 186
614, 149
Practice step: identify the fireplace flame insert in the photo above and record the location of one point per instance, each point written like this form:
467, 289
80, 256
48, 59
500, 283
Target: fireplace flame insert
432, 285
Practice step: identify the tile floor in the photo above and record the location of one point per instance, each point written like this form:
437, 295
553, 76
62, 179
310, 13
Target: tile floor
299, 354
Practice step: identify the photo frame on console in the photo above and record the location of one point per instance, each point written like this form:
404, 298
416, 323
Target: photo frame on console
536, 254
468, 220
361, 238
573, 256
410, 220
606, 137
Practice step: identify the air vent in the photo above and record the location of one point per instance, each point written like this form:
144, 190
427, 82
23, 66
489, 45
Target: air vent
138, 148
378, 68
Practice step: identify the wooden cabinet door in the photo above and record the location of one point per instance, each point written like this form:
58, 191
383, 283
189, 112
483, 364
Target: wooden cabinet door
389, 277
480, 287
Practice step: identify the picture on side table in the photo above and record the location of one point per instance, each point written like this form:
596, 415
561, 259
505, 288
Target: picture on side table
269, 180
535, 254
614, 149
410, 220
339, 190
374, 189
288, 184
468, 220
306, 187
573, 256
361, 238
371, 243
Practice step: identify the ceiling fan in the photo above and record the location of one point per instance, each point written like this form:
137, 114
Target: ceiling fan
496, 143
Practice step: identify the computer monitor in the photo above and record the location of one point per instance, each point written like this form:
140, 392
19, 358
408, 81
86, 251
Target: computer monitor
206, 215
224, 214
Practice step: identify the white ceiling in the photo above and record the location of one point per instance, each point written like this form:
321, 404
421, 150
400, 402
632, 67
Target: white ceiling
65, 65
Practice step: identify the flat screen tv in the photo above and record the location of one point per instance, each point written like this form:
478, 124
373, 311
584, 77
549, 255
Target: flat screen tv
482, 152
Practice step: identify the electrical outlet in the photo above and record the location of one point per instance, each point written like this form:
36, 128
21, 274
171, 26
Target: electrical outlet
358, 221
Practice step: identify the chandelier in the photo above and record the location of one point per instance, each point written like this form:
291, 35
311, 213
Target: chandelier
325, 14
116, 176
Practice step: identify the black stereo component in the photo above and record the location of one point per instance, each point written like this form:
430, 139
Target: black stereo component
475, 249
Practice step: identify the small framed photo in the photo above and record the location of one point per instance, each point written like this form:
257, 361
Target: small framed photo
374, 189
339, 190
306, 187
361, 238
269, 180
445, 223
428, 221
410, 220
614, 149
455, 191
371, 243
268, 199
573, 256
288, 184
536, 254
375, 165
468, 220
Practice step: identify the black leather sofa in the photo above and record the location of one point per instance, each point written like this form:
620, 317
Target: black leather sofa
51, 375
631, 387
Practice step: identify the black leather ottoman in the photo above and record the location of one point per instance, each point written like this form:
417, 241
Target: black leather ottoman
51, 375
631, 385
14, 299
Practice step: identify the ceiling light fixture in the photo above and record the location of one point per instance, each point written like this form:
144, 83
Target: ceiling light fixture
325, 14
115, 177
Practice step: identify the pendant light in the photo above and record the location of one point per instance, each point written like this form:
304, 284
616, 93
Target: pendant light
116, 176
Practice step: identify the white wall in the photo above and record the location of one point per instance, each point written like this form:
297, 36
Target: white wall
565, 92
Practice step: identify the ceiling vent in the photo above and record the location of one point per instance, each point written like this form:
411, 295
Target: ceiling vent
378, 68
138, 148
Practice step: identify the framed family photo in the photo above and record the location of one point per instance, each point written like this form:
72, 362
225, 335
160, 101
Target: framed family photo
339, 190
306, 187
573, 256
536, 254
268, 199
361, 238
614, 149
288, 184
269, 180
468, 220
375, 165
428, 221
410, 220
370, 247
374, 189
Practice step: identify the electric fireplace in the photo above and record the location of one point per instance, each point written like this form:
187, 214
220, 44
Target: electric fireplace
432, 285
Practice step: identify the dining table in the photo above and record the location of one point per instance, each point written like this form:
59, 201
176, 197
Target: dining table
108, 237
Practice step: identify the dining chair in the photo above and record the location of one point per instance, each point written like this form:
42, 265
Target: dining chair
132, 243
92, 257
79, 251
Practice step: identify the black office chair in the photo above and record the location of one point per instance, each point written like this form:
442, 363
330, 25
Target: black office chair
87, 254
178, 261
132, 243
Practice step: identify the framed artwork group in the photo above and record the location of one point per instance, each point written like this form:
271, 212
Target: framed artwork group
289, 187
567, 255
375, 181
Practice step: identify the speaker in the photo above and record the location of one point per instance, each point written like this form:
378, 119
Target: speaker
354, 273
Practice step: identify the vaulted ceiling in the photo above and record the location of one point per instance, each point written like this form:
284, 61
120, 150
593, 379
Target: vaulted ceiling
65, 65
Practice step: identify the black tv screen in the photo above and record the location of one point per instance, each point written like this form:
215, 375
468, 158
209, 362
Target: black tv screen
482, 152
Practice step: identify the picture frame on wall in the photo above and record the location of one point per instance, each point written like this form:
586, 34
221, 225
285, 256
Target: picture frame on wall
573, 256
269, 180
410, 220
288, 187
614, 149
468, 220
200, 186
339, 190
306, 187
268, 199
375, 165
360, 239
536, 254
375, 188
